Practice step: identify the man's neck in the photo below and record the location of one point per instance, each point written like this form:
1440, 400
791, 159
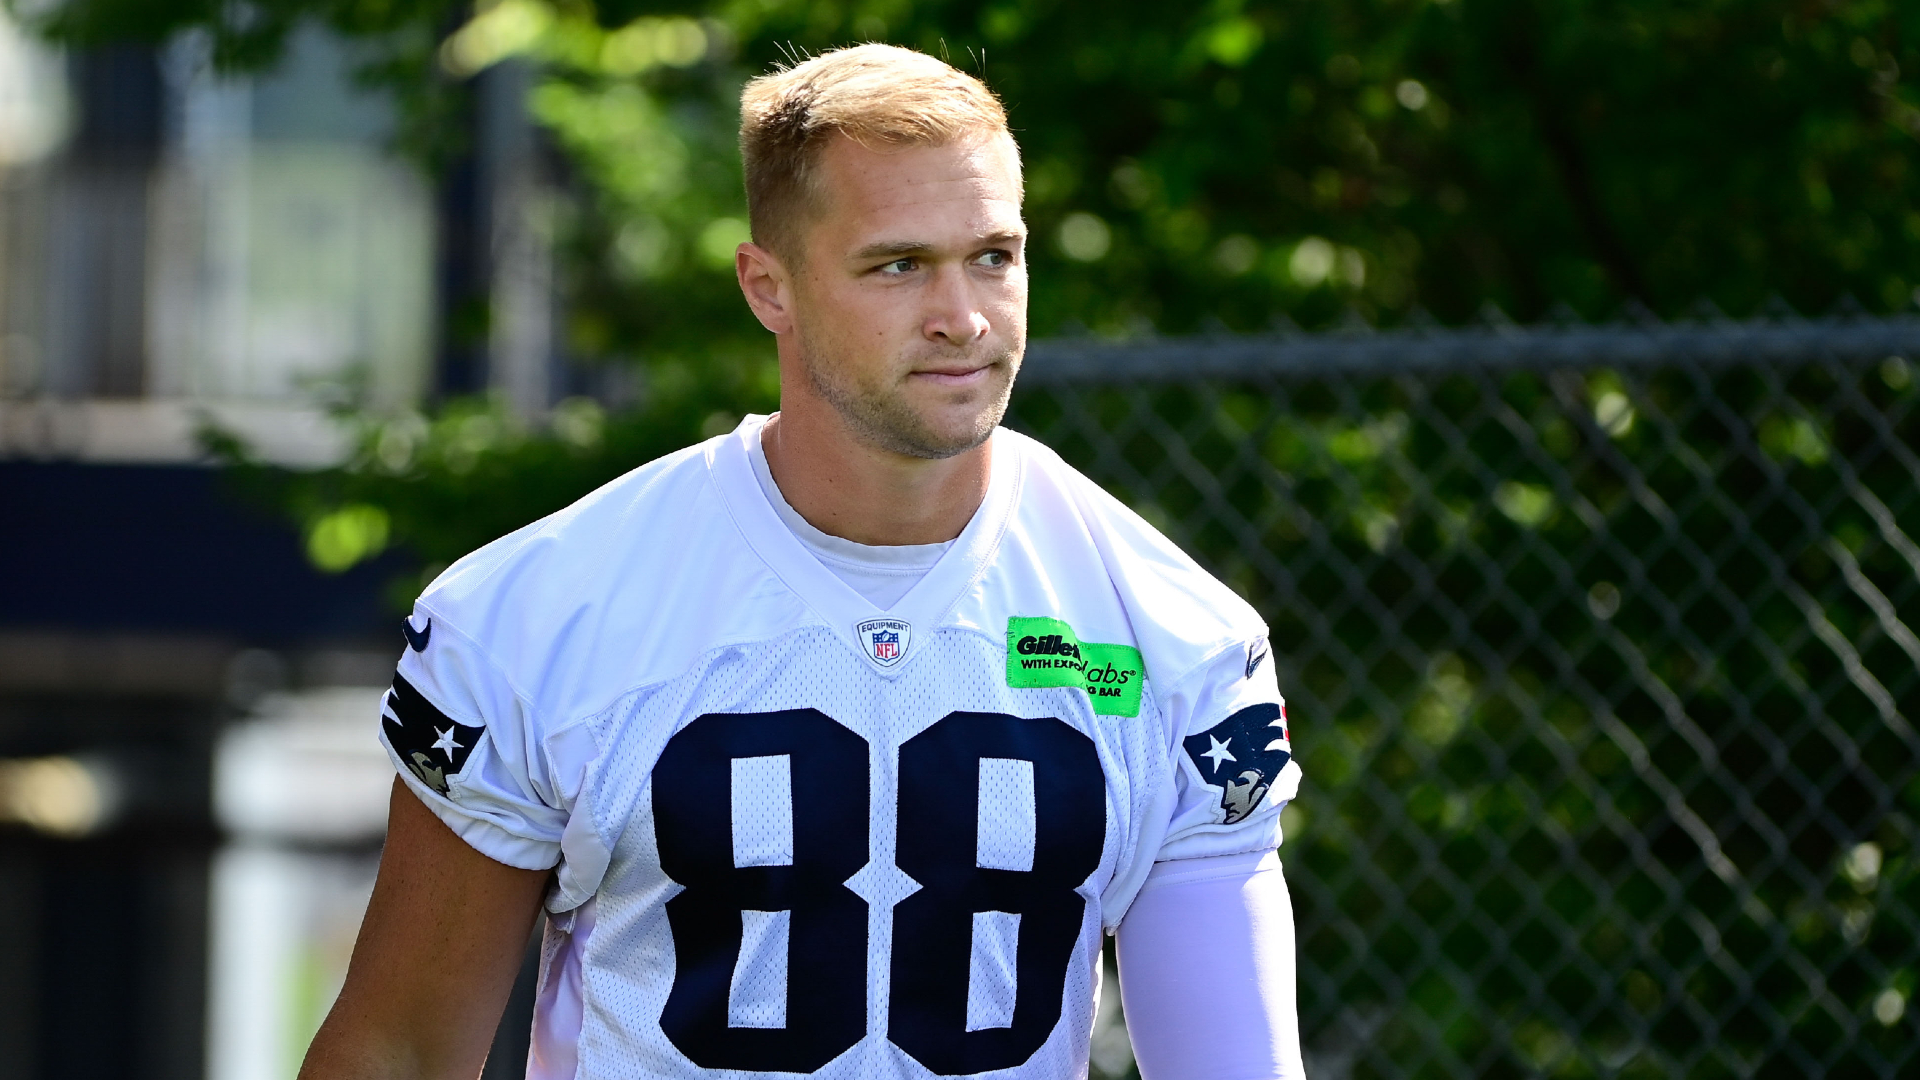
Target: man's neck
858, 492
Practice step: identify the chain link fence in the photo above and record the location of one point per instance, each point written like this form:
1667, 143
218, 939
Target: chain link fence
1600, 650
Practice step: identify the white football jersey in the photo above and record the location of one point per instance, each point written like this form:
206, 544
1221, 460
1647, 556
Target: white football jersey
796, 834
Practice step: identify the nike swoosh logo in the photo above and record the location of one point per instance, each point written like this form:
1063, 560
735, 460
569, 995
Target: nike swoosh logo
417, 638
1256, 652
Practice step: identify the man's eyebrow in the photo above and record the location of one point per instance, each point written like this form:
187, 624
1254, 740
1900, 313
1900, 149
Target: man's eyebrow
894, 249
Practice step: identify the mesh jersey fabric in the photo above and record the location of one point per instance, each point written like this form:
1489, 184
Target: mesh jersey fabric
762, 795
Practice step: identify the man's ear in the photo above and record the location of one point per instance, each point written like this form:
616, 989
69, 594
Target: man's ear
768, 287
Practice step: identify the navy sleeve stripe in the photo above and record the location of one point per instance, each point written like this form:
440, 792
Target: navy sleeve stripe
412, 706
432, 745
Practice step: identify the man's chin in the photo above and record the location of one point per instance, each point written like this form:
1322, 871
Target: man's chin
936, 441
918, 418
959, 426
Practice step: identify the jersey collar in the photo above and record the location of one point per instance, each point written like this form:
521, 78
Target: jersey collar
924, 607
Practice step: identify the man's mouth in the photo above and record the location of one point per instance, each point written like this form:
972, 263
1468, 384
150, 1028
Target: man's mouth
957, 374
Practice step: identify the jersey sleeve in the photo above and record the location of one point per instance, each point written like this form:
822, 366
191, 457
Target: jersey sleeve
470, 748
1233, 761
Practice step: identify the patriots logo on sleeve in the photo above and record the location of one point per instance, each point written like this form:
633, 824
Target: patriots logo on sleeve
1242, 756
432, 745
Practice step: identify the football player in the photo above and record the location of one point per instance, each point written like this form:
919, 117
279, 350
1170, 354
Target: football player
832, 746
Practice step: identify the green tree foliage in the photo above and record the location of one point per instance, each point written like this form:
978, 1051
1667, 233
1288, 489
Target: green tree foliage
1221, 164
1601, 687
1434, 152
441, 485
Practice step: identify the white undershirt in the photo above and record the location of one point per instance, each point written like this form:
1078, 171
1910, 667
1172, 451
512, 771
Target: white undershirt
881, 574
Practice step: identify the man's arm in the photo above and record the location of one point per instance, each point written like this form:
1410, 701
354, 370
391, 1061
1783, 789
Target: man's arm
1207, 971
435, 960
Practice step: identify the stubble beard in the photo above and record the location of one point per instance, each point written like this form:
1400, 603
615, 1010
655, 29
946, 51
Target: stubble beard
884, 418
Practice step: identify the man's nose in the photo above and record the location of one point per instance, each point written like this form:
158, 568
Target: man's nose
955, 315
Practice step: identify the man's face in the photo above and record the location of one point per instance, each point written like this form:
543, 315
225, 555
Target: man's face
911, 301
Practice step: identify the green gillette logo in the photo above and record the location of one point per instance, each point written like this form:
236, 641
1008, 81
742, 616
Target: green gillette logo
1045, 652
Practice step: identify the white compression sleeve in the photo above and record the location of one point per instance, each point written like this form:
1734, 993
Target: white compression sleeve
1207, 971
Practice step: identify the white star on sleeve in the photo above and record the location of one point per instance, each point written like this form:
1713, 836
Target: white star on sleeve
1218, 752
446, 744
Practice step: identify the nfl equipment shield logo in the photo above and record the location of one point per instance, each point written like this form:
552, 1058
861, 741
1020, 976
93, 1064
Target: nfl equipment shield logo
885, 640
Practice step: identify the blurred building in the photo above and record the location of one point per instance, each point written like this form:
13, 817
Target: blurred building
190, 800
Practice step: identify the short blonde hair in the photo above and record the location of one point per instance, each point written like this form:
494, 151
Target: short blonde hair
877, 95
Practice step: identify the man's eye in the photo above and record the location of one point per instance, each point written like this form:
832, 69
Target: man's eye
900, 266
994, 259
